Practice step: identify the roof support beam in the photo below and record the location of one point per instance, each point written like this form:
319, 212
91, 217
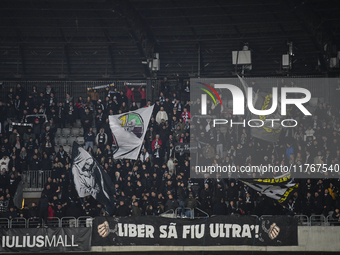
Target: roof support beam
139, 31
103, 26
306, 22
20, 47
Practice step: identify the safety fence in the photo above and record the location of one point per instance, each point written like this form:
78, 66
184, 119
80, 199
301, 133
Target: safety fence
303, 220
71, 222
75, 88
35, 179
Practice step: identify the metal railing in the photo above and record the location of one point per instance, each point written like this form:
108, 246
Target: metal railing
35, 179
18, 223
75, 88
302, 220
332, 222
70, 222
184, 212
54, 222
200, 211
318, 220
168, 214
86, 221
4, 223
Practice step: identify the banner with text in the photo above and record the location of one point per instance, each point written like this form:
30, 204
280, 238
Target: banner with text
45, 239
218, 230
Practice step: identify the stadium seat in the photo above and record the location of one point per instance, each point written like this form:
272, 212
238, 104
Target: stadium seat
75, 132
313, 102
67, 148
70, 140
65, 132
80, 140
62, 141
94, 130
58, 132
81, 132
77, 123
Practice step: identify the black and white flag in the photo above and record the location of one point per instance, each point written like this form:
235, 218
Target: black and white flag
90, 179
279, 188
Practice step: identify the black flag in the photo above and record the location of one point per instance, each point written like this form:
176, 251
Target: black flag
90, 179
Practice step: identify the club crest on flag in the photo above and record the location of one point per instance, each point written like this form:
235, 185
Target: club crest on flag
128, 131
132, 122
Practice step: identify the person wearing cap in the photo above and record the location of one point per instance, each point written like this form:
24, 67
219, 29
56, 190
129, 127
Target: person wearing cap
99, 105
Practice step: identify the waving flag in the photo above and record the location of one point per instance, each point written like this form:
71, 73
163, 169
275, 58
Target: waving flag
128, 131
90, 179
278, 188
261, 100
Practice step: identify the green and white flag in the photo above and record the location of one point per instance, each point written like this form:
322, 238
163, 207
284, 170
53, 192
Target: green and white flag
128, 131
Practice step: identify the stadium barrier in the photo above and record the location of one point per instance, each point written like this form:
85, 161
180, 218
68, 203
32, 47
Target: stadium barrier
148, 233
35, 179
87, 221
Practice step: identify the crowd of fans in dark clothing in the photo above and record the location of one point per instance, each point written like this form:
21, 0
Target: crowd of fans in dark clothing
159, 180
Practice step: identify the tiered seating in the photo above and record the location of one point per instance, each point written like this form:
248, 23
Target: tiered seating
66, 136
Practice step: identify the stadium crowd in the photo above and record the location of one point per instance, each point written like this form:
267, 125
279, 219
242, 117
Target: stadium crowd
159, 180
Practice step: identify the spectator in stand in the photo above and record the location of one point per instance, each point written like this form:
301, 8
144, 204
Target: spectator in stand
123, 108
122, 209
87, 120
43, 209
161, 115
89, 139
78, 106
12, 213
155, 142
100, 119
133, 106
142, 92
48, 91
94, 95
130, 95
185, 115
191, 204
68, 99
4, 203
70, 113
4, 162
101, 139
33, 215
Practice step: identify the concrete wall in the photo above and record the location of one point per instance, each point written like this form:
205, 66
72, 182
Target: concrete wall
311, 239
